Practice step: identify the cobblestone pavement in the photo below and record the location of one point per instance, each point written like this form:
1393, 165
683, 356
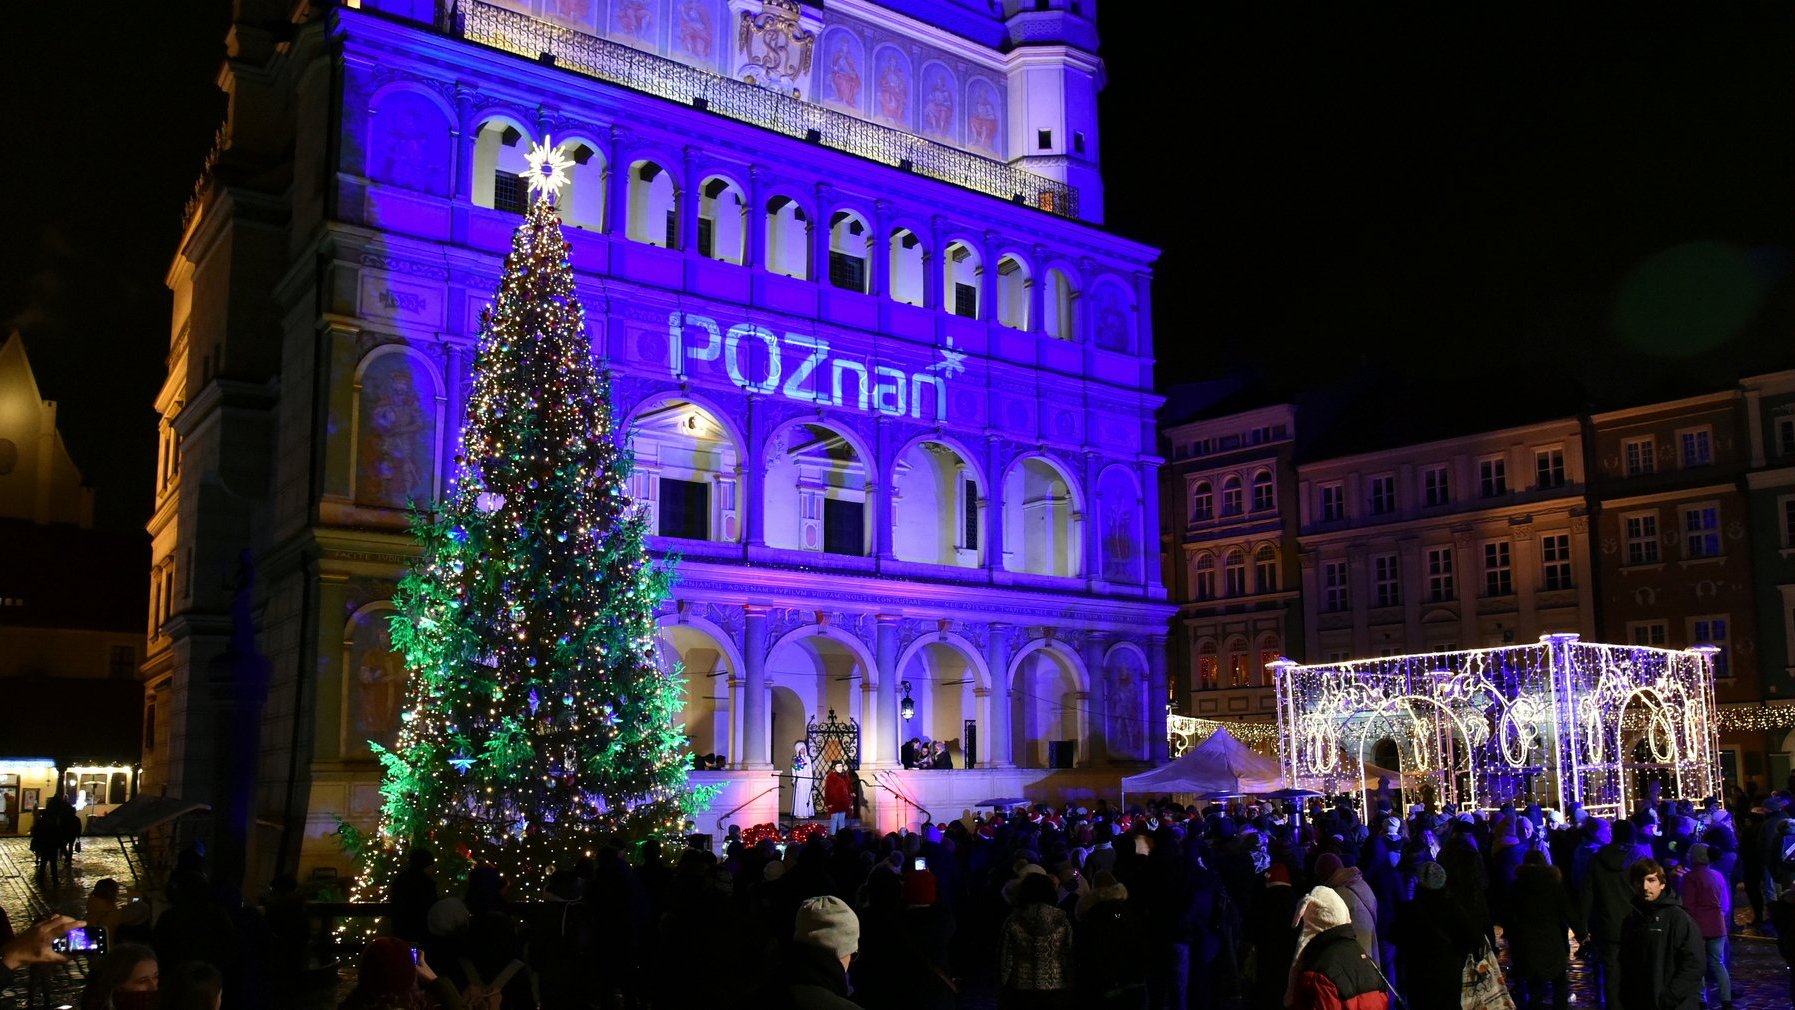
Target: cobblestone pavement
1760, 979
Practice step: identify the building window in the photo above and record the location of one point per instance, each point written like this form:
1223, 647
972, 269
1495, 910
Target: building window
1498, 570
1386, 581
1788, 506
1642, 538
1701, 531
1333, 502
1238, 671
1548, 467
1333, 585
508, 192
1205, 578
1436, 486
1232, 497
1785, 436
1655, 634
685, 508
1044, 139
1439, 575
124, 662
1697, 445
1640, 455
1263, 500
1202, 503
1555, 558
1265, 569
1492, 477
1206, 667
844, 526
1234, 574
1712, 631
969, 515
1383, 495
845, 270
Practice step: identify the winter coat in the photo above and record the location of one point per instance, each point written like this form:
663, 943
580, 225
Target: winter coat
1708, 899
1540, 913
810, 979
1035, 950
1112, 944
1334, 974
1273, 937
1433, 939
838, 795
1662, 957
1350, 885
1467, 880
1607, 895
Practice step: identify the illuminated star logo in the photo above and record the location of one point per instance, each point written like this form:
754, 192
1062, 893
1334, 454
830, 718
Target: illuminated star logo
548, 168
952, 362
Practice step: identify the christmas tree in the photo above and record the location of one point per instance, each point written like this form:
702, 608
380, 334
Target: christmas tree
537, 725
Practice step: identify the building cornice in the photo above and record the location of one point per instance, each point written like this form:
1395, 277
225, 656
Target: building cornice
1678, 494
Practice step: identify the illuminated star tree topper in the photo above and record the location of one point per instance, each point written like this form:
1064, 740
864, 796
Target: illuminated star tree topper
548, 169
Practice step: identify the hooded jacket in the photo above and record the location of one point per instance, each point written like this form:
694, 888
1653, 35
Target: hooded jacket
1607, 896
1662, 956
1361, 904
1035, 949
1331, 970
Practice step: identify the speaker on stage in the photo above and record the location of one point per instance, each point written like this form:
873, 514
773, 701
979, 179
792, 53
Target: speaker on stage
1061, 753
970, 741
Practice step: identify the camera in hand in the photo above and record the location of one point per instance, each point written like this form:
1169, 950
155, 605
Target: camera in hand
81, 940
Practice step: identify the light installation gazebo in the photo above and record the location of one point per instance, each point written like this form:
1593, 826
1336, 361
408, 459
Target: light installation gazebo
1552, 723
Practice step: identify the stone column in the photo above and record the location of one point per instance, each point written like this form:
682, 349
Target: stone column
1036, 284
617, 186
755, 754
1096, 749
754, 252
885, 654
820, 236
1158, 751
988, 278
1091, 533
751, 476
878, 264
934, 270
997, 658
992, 494
1152, 565
688, 200
880, 488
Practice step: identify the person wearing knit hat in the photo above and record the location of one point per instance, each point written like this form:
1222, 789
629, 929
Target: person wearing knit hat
824, 940
1330, 969
1271, 928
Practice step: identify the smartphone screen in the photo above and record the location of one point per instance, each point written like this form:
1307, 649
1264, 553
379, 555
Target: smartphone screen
414, 955
920, 864
81, 940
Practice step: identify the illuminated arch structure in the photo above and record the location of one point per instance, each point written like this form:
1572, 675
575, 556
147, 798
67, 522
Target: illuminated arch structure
1552, 723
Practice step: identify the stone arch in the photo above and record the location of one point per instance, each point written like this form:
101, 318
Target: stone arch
722, 218
1113, 320
1234, 573
582, 200
1128, 672
1264, 490
909, 261
688, 469
1014, 279
1119, 516
501, 140
410, 138
935, 517
950, 683
652, 199
850, 250
816, 481
396, 427
1059, 302
962, 278
1043, 523
374, 680
710, 662
1266, 563
1050, 692
788, 224
826, 668
1237, 658
1203, 578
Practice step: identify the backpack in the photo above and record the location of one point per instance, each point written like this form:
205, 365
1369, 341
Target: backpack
486, 995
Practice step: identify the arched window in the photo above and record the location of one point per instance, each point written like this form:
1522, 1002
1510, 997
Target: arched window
1265, 569
1057, 306
499, 151
722, 220
1202, 502
1043, 521
960, 288
937, 509
1208, 678
815, 490
907, 265
1012, 293
1239, 674
685, 473
653, 206
1268, 654
1205, 577
850, 241
1231, 496
582, 200
788, 238
1263, 498
1234, 574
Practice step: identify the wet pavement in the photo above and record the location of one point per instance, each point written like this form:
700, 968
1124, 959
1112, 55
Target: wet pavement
1760, 978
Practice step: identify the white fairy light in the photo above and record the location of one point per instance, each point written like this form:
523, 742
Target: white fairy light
548, 168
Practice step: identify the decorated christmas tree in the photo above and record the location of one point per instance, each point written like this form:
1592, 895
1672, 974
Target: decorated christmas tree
537, 725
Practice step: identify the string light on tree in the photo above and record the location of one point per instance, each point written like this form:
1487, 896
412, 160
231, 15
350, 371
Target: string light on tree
537, 724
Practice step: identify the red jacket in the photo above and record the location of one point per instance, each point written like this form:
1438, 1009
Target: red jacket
1333, 973
1708, 899
838, 795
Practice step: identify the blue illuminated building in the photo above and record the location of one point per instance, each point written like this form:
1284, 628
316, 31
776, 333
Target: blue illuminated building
889, 381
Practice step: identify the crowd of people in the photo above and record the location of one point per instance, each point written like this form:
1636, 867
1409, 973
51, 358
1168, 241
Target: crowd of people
1157, 905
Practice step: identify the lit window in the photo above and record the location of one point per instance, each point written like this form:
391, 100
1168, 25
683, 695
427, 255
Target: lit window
1712, 631
1701, 531
1206, 667
1697, 445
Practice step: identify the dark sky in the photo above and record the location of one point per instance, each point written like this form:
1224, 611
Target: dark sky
1560, 206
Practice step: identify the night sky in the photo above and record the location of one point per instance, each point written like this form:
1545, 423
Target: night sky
1448, 219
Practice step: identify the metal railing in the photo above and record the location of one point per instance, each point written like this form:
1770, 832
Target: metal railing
514, 32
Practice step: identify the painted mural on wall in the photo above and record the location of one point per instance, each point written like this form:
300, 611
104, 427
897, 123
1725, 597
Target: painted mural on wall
395, 433
938, 104
376, 676
1113, 318
844, 56
408, 142
1128, 677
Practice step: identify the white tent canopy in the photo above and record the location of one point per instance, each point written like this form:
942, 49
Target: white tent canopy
1220, 765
